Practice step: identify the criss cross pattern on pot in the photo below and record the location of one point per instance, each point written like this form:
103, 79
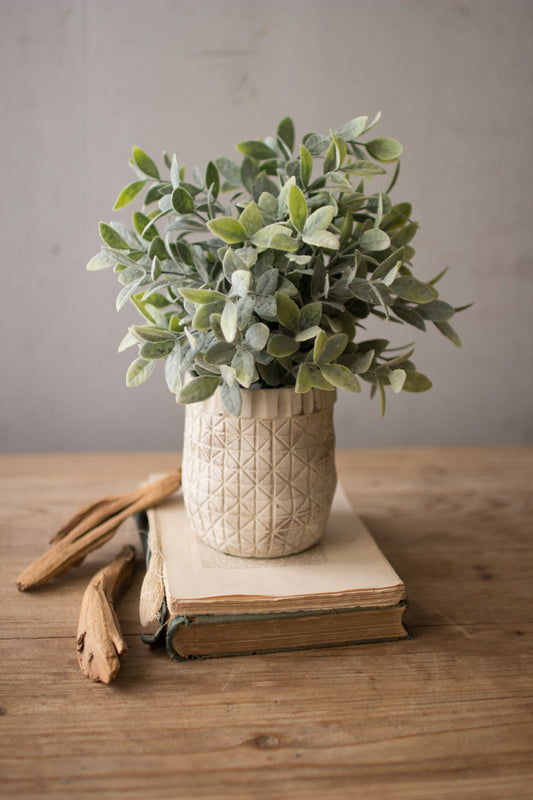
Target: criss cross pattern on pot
259, 487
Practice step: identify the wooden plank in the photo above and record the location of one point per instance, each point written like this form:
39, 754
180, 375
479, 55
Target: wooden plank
448, 714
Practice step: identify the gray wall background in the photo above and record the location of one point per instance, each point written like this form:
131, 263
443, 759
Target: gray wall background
81, 82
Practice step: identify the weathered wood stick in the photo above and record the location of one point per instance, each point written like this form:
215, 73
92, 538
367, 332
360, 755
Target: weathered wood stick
99, 642
75, 544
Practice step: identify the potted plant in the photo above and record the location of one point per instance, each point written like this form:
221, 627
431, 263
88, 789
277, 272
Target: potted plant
254, 281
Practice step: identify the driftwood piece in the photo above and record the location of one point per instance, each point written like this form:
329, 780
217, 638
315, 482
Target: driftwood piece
99, 641
92, 526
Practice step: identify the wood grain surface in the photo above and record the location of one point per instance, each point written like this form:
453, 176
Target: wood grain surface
447, 714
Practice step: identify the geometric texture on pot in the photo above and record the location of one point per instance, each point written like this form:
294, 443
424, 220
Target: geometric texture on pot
260, 485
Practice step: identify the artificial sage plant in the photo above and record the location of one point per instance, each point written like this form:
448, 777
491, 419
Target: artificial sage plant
271, 286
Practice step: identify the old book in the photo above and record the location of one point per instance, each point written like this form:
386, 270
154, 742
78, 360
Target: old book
341, 591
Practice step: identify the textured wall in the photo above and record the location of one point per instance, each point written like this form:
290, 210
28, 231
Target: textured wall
81, 82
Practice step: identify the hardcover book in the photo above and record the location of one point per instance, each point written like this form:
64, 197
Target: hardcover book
341, 591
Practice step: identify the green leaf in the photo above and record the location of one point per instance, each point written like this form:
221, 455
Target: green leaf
243, 364
257, 336
397, 379
322, 239
202, 318
310, 315
288, 312
331, 159
409, 315
303, 380
155, 350
437, 311
317, 379
363, 363
240, 281
228, 321
231, 399
446, 329
256, 149
128, 194
139, 371
220, 353
282, 241
228, 229
150, 333
416, 382
198, 389
229, 170
145, 163
409, 288
280, 345
127, 341
306, 165
351, 130
330, 349
144, 226
212, 179
267, 282
286, 132
305, 334
172, 369
319, 219
263, 237
250, 219
384, 149
111, 237
100, 261
374, 240
364, 169
182, 202
341, 377
200, 295
297, 207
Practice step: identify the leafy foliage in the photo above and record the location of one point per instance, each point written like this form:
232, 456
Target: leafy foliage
271, 286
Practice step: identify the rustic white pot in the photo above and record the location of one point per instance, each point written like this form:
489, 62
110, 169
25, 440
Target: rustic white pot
260, 485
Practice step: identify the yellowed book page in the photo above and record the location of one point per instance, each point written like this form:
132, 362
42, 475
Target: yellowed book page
346, 569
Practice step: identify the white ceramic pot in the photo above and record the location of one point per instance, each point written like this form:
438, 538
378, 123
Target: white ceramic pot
260, 485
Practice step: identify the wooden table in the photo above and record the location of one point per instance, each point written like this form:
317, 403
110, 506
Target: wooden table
448, 714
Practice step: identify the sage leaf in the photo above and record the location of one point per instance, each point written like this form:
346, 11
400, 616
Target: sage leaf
416, 382
220, 353
228, 321
256, 149
228, 229
101, 260
446, 329
306, 165
409, 288
267, 283
307, 333
139, 371
250, 219
128, 194
303, 380
243, 364
231, 399
341, 377
286, 132
363, 169
155, 350
229, 170
397, 379
280, 345
384, 149
200, 295
319, 220
409, 315
322, 239
145, 163
212, 179
297, 207
310, 315
288, 312
240, 281
257, 336
374, 240
437, 311
330, 349
352, 129
172, 369
182, 202
111, 237
198, 389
